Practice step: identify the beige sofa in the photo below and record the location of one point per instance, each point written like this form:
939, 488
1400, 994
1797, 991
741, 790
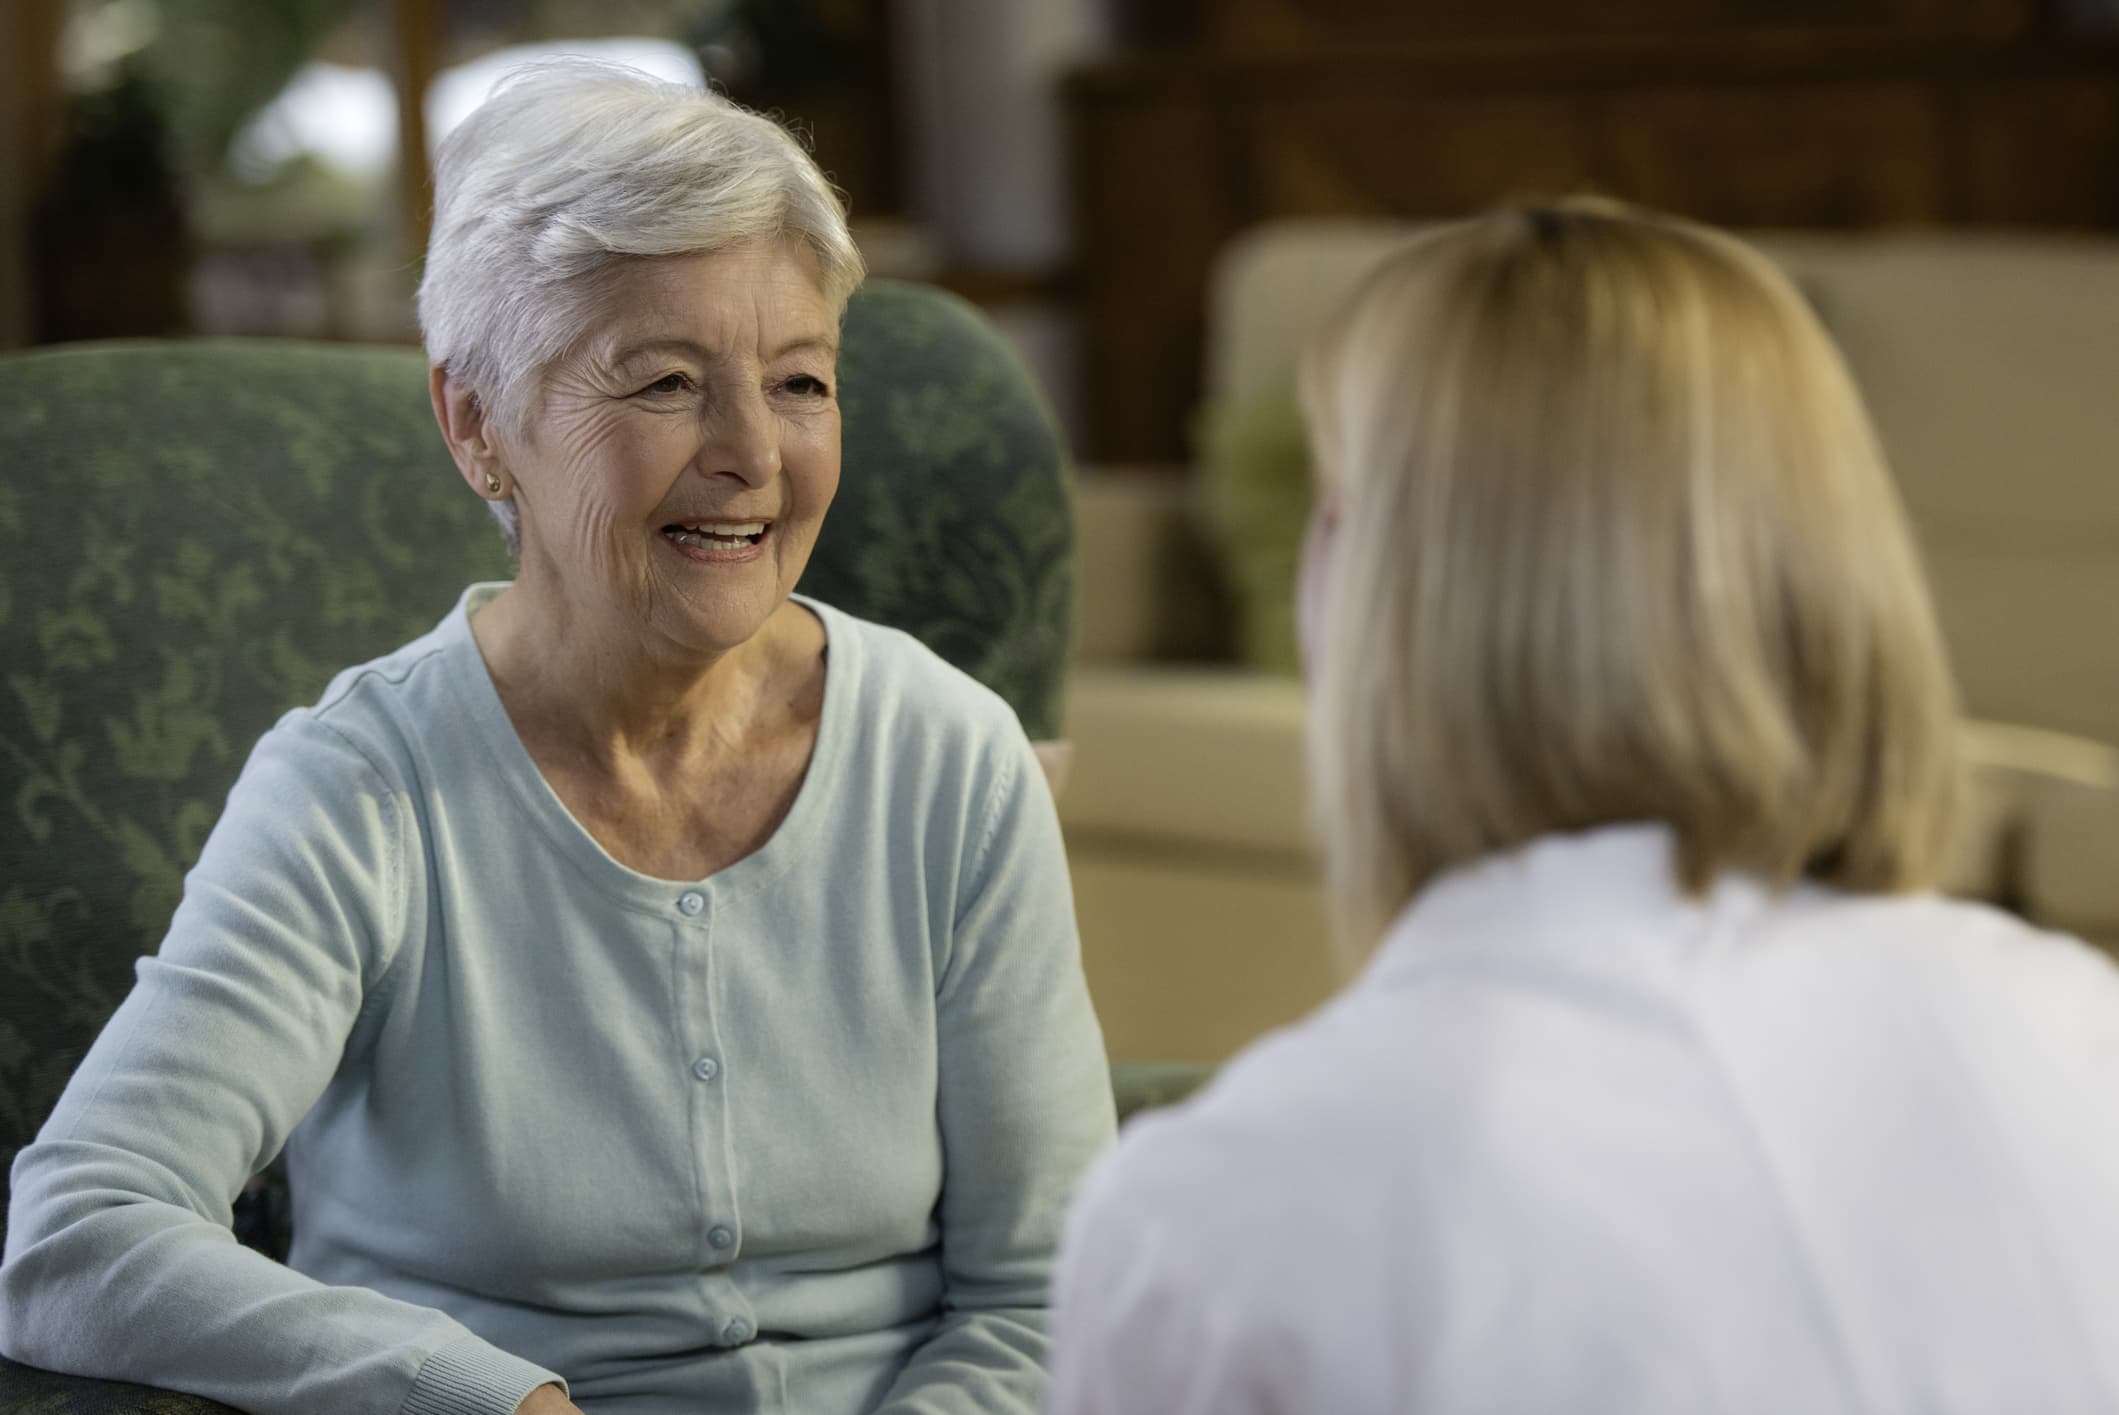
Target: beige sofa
1991, 365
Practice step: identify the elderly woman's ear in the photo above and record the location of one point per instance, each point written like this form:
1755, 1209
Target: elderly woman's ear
464, 427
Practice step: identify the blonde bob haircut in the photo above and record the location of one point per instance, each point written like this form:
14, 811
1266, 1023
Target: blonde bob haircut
1614, 543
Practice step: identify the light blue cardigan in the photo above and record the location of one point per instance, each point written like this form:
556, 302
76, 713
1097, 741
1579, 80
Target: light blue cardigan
797, 1137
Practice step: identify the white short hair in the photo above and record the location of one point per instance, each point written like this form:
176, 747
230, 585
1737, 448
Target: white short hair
568, 168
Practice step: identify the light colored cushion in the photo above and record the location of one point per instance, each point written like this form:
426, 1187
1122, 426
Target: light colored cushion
1195, 759
1145, 585
2072, 870
1190, 959
1990, 363
2057, 798
1201, 916
1991, 367
1270, 289
2012, 775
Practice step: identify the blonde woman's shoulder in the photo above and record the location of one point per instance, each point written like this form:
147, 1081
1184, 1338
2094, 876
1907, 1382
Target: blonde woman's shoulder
1928, 947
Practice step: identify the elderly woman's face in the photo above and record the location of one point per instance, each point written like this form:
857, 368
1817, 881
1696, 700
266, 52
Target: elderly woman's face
678, 467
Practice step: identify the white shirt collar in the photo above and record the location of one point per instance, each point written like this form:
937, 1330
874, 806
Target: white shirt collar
1583, 897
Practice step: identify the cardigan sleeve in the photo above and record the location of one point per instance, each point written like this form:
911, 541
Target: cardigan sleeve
119, 1260
1024, 1107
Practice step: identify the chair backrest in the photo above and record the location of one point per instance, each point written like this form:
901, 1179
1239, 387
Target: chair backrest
195, 536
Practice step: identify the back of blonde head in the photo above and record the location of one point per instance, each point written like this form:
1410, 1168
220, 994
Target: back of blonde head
1616, 543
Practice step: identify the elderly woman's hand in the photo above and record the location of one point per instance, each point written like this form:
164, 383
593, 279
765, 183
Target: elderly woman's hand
547, 1400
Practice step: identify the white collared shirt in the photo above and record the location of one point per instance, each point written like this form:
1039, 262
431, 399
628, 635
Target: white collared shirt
1576, 1143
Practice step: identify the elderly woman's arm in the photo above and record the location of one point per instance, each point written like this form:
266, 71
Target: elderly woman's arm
1025, 1106
119, 1258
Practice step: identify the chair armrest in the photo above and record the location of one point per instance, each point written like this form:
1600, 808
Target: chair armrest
25, 1390
2037, 830
2071, 865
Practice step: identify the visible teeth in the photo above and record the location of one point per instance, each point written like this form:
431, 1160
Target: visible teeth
723, 536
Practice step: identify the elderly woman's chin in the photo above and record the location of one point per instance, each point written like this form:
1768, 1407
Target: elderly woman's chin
714, 606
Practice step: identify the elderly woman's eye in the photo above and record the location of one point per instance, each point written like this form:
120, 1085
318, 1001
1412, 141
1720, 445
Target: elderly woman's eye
668, 383
808, 386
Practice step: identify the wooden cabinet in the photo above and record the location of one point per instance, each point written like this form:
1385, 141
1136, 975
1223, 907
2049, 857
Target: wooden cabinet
1175, 151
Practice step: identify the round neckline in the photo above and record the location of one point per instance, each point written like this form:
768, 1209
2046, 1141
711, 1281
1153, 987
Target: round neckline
495, 731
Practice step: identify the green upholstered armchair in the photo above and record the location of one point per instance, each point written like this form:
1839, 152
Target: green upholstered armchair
195, 536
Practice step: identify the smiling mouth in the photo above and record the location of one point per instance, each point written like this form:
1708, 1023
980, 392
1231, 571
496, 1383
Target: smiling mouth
717, 535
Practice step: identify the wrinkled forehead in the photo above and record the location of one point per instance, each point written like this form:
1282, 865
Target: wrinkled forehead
746, 302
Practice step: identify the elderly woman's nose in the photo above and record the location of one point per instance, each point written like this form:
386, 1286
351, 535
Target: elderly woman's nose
743, 441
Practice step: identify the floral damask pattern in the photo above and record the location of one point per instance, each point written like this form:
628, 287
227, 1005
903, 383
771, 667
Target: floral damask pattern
195, 536
955, 515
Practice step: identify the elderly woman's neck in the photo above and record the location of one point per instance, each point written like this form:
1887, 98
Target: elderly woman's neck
608, 698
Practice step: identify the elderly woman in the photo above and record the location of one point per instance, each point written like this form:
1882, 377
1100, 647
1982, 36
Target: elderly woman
1666, 1088
663, 987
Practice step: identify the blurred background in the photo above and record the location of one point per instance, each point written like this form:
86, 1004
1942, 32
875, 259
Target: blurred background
1156, 200
259, 166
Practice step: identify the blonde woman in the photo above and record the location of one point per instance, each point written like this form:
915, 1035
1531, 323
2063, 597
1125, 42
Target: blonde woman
1667, 1085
